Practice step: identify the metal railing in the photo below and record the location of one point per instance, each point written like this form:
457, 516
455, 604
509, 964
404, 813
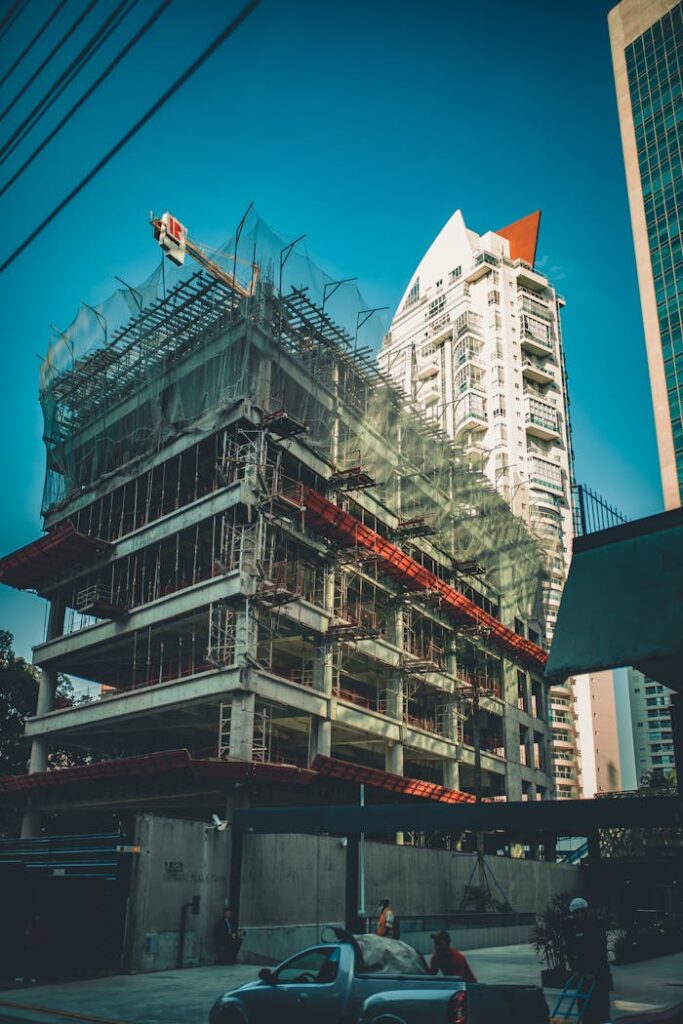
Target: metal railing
592, 512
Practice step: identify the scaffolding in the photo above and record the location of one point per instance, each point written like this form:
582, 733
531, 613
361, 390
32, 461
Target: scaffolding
209, 441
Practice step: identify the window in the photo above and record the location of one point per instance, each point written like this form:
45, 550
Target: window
455, 274
413, 294
494, 298
436, 306
314, 967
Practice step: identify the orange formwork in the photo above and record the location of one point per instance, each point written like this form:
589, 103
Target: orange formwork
346, 530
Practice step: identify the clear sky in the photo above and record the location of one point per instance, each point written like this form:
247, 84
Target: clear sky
364, 125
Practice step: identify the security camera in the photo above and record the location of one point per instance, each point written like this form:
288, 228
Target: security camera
217, 824
343, 842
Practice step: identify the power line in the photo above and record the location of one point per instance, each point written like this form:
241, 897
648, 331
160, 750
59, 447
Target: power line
86, 95
66, 77
55, 49
29, 46
155, 108
12, 15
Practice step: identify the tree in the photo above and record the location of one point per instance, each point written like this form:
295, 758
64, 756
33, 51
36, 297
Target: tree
18, 689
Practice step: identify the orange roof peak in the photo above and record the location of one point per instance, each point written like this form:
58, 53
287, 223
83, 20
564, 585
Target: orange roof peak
523, 237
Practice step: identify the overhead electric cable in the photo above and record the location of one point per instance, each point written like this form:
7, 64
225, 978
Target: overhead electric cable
154, 109
66, 77
12, 15
29, 46
55, 49
88, 93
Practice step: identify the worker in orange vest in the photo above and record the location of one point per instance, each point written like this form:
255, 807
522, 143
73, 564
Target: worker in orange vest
386, 925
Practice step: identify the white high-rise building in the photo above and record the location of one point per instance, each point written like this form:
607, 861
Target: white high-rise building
476, 343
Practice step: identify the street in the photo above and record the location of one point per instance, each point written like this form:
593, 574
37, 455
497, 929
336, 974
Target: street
184, 997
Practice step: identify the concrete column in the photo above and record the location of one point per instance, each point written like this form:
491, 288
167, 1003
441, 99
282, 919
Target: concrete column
513, 778
45, 702
393, 758
451, 774
245, 634
242, 714
320, 735
319, 738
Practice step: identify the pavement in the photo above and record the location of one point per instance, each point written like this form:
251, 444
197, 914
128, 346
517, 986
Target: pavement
184, 997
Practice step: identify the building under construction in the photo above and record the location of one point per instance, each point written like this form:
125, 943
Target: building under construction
262, 552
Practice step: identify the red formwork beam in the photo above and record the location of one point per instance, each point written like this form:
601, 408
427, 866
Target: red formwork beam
349, 771
346, 530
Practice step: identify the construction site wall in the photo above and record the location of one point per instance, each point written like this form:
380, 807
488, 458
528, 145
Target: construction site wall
178, 860
293, 885
307, 891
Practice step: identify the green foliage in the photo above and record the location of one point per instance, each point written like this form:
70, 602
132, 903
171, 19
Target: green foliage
638, 842
641, 941
474, 897
18, 692
551, 934
18, 689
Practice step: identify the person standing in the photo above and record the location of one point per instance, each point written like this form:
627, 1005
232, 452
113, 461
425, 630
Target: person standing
587, 956
386, 926
228, 939
35, 948
448, 960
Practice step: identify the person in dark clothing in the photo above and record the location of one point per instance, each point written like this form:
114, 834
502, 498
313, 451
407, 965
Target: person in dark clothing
228, 939
35, 948
587, 956
448, 960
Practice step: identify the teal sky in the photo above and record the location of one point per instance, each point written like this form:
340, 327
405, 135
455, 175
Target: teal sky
364, 125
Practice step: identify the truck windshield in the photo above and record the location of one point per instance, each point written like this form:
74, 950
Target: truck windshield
314, 967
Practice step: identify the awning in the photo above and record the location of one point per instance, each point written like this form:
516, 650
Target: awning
623, 602
37, 564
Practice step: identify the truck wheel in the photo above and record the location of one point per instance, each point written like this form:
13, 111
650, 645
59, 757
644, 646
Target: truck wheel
230, 1015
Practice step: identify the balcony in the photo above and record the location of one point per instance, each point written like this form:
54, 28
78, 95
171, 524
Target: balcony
483, 263
468, 321
428, 371
546, 475
528, 277
535, 339
470, 414
537, 370
541, 419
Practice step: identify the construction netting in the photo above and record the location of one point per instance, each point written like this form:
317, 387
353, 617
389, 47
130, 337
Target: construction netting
171, 357
114, 348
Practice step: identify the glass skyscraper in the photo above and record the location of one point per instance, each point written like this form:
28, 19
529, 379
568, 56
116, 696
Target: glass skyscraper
647, 52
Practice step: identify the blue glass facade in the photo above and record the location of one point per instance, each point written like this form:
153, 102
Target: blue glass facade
655, 80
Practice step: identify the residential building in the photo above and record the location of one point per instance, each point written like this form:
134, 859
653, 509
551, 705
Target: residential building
262, 553
476, 344
647, 43
605, 733
651, 725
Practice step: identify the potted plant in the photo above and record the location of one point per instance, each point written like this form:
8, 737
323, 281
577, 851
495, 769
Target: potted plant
549, 938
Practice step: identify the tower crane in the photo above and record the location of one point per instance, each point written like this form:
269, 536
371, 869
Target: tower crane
173, 238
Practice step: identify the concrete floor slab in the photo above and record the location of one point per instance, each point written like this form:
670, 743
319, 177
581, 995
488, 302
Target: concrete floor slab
184, 997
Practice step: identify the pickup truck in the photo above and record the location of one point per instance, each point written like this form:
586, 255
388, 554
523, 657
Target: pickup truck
374, 980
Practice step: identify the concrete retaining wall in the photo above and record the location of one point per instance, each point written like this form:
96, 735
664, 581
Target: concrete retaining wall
177, 861
294, 885
271, 945
299, 879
